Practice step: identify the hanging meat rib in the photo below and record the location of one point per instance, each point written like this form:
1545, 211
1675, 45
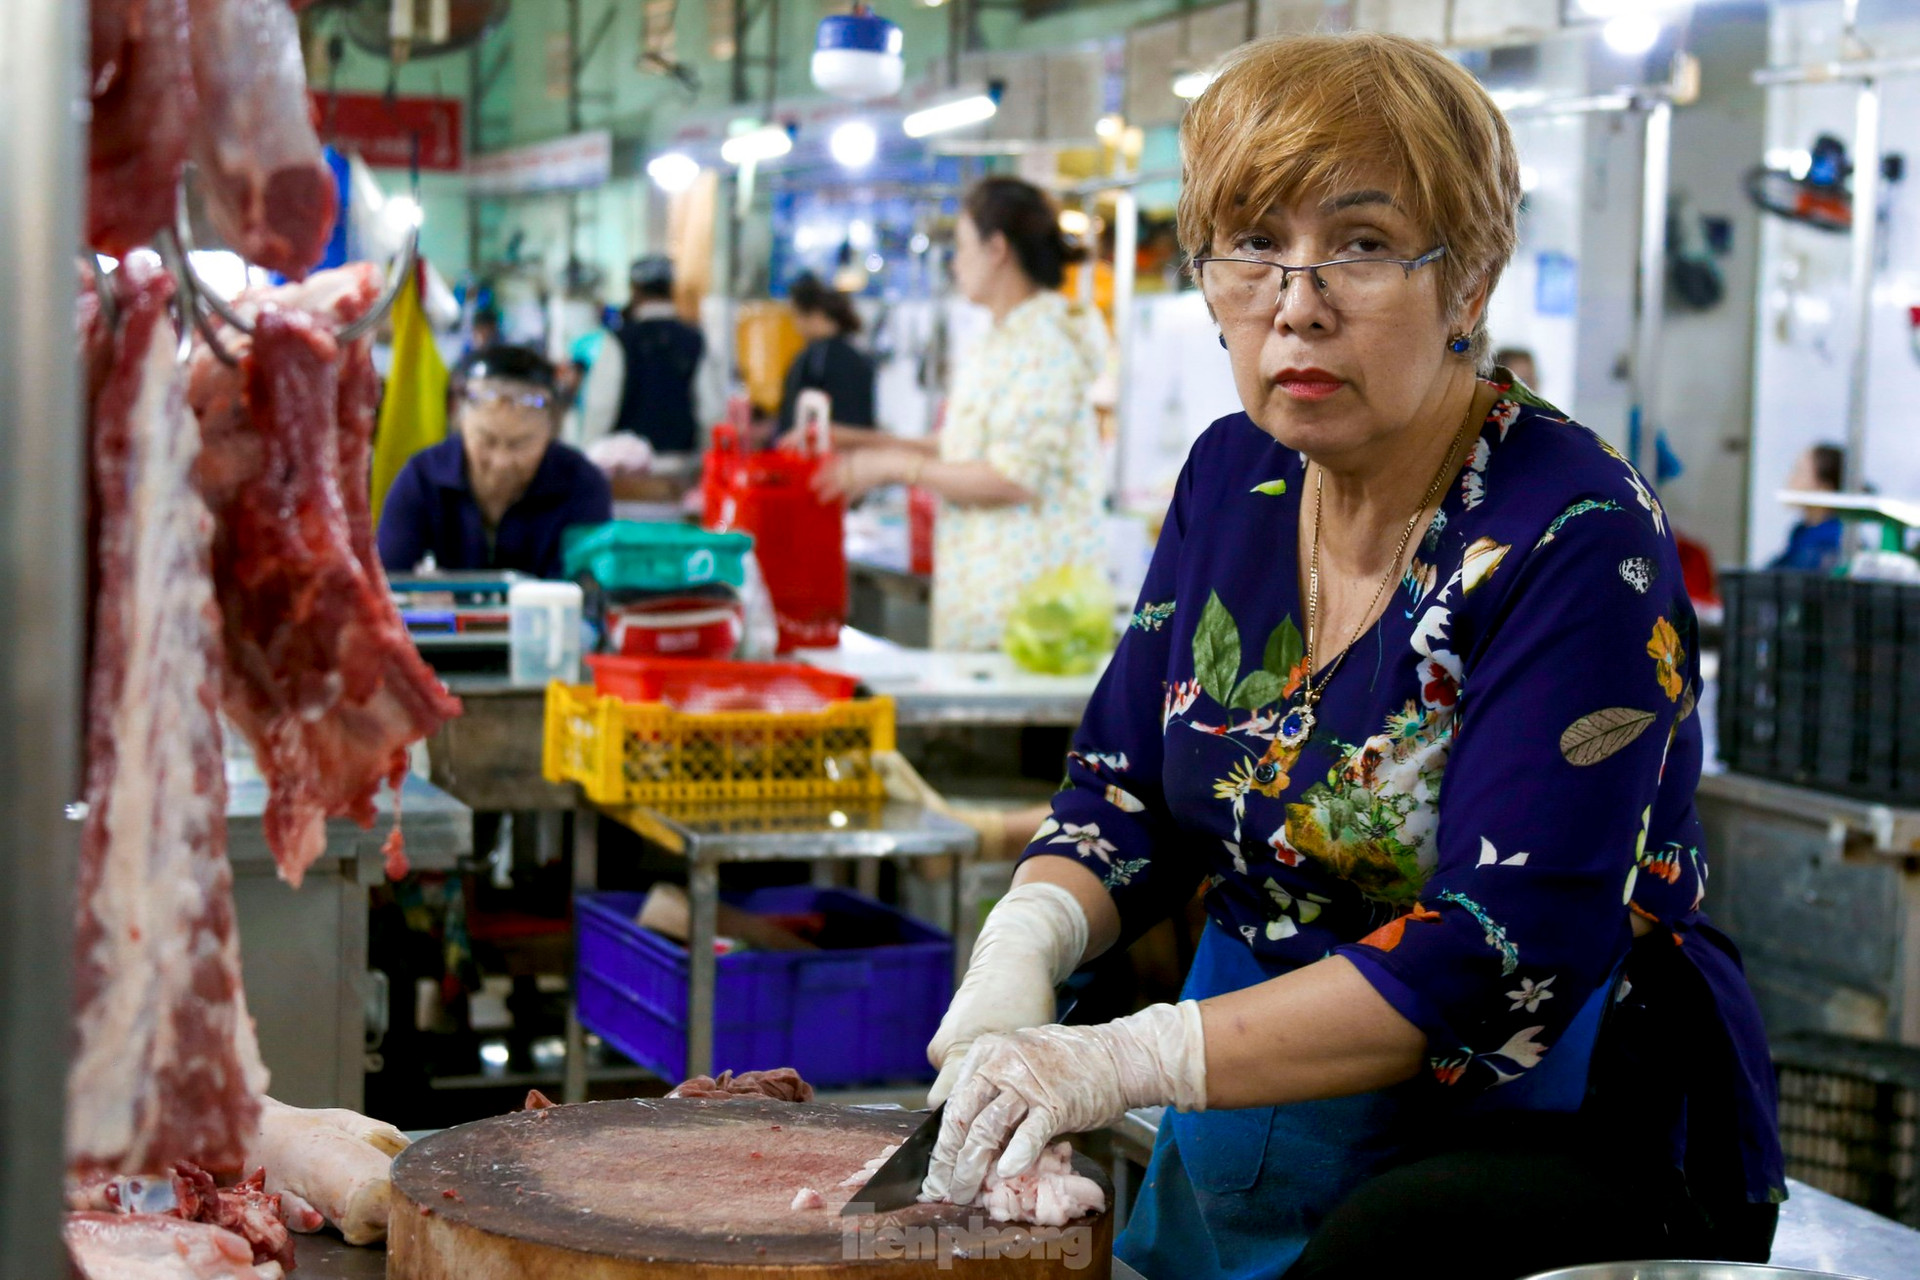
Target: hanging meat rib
143, 103
165, 1067
320, 673
268, 188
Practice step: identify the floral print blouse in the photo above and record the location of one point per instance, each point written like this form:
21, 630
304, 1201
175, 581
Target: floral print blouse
1501, 773
1021, 403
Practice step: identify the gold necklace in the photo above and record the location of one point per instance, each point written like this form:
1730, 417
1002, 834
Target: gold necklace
1297, 724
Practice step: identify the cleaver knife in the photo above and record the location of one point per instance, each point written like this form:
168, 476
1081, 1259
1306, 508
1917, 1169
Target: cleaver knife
896, 1184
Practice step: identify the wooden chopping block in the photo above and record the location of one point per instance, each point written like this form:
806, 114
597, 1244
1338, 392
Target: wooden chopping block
686, 1189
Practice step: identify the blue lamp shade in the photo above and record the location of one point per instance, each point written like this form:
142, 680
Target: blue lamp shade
857, 56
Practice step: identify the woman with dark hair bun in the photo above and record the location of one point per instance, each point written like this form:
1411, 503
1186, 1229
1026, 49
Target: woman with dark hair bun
1017, 464
830, 363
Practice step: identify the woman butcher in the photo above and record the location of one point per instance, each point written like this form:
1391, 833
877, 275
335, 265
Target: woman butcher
1410, 699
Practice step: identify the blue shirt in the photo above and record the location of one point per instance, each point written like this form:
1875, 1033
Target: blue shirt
1501, 773
431, 508
1814, 548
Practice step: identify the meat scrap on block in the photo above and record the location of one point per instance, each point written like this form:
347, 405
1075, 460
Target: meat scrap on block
782, 1084
321, 675
165, 1067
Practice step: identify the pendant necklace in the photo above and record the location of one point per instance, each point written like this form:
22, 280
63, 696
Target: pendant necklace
1297, 724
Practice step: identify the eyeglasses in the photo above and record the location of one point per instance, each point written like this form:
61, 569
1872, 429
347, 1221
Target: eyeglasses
1243, 286
485, 395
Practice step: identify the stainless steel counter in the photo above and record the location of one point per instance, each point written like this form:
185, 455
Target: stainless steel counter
437, 829
489, 756
934, 687
304, 952
328, 1257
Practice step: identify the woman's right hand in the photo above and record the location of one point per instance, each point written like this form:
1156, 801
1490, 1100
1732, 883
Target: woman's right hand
1032, 940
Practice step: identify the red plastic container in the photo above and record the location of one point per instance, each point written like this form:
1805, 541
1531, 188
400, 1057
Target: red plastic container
710, 631
922, 510
800, 541
702, 685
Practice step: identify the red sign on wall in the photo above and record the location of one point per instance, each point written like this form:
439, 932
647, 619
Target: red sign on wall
382, 131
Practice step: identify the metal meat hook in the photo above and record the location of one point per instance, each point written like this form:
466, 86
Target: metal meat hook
181, 238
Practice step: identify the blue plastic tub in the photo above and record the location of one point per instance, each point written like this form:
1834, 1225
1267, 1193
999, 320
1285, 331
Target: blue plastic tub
840, 1017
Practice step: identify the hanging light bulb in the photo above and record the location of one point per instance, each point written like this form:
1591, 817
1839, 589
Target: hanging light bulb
854, 144
673, 171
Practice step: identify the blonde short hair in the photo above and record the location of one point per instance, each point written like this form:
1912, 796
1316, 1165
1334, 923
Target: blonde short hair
1303, 113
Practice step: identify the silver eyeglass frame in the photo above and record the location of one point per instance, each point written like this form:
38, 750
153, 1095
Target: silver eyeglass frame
1312, 269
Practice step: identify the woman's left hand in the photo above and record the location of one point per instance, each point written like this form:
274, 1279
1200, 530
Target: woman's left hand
854, 475
1018, 1090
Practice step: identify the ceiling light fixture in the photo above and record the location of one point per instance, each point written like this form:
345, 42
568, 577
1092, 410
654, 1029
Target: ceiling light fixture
957, 114
1191, 84
673, 171
769, 143
854, 144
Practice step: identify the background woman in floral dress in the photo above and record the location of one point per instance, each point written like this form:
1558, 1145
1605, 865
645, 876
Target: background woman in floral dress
1017, 463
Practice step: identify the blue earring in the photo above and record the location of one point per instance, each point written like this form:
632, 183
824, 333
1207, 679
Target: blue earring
1460, 344
1223, 342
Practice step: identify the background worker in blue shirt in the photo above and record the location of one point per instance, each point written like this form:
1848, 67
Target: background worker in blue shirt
499, 492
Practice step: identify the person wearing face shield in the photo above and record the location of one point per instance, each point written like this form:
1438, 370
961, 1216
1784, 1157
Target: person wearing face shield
501, 490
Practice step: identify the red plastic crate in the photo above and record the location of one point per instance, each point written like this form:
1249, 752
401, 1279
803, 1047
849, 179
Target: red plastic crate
682, 680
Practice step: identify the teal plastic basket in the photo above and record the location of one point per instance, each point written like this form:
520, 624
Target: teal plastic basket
629, 555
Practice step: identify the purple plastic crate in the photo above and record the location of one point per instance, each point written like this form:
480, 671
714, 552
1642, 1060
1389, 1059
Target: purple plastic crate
838, 1016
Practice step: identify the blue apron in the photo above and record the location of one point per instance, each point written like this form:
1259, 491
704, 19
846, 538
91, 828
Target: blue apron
1234, 1195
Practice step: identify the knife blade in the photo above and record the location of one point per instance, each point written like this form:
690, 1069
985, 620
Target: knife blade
896, 1184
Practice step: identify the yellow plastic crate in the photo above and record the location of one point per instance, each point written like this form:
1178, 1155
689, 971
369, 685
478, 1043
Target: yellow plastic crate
646, 752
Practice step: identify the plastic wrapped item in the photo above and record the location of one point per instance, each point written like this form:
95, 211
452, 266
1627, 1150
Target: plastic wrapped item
1062, 622
760, 637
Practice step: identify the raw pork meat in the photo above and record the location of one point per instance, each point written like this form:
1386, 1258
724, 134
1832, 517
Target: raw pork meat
191, 1195
321, 675
808, 1198
783, 1084
858, 1178
1050, 1194
269, 190
165, 1067
143, 108
108, 1246
336, 1161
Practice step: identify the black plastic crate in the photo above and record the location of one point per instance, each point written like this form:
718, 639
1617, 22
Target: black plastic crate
1820, 683
1850, 1119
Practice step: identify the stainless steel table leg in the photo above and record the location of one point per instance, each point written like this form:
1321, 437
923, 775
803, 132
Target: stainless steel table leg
703, 894
586, 878
963, 892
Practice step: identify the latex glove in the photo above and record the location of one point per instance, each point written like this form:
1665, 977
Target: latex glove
1032, 940
1019, 1090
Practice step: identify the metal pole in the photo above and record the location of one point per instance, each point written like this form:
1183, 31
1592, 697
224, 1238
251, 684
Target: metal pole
42, 506
703, 913
573, 126
1865, 237
1126, 252
1652, 289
